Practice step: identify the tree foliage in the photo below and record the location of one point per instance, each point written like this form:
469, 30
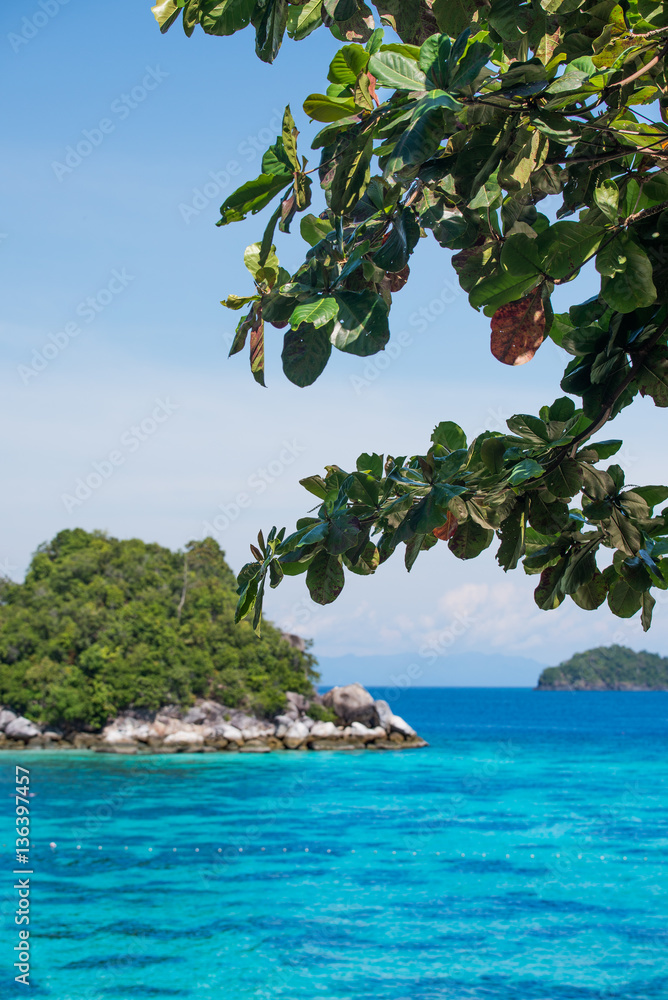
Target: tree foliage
608, 668
482, 114
102, 625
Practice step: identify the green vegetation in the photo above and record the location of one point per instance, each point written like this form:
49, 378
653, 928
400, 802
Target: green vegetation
528, 138
611, 668
102, 625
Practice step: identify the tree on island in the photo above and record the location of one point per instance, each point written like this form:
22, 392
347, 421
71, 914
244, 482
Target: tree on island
481, 111
102, 625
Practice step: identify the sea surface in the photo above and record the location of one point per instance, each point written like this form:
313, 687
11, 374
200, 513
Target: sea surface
522, 856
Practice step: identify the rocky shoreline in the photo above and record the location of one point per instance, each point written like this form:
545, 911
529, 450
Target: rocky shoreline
209, 727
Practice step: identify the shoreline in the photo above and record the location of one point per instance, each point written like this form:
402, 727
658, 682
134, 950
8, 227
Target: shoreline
356, 722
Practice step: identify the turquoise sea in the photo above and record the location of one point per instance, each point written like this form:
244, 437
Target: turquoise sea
522, 856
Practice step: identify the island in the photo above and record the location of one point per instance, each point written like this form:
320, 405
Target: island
121, 646
607, 668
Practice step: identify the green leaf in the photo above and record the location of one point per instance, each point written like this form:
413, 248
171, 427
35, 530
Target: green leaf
313, 229
252, 260
565, 246
547, 517
648, 603
251, 197
319, 312
270, 30
549, 594
623, 600
347, 64
362, 326
652, 495
325, 578
345, 171
289, 136
565, 480
592, 594
328, 109
512, 534
225, 18
623, 534
396, 71
580, 569
606, 196
419, 141
528, 468
303, 20
492, 451
652, 375
449, 435
371, 463
239, 301
305, 354
469, 540
627, 282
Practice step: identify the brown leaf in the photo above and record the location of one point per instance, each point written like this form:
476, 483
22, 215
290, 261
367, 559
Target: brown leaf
257, 351
397, 279
518, 329
447, 530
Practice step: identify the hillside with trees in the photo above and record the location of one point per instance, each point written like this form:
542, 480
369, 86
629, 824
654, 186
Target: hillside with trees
102, 625
608, 668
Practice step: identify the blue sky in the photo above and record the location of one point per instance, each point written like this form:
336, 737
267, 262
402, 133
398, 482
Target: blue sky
113, 271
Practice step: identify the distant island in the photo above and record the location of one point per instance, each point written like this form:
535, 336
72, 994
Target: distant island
607, 668
123, 647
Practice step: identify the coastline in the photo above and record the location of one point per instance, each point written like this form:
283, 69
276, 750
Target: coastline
357, 721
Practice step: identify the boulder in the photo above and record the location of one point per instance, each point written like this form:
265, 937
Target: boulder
384, 714
295, 736
358, 731
258, 731
126, 729
325, 731
228, 732
186, 736
397, 725
195, 715
21, 729
352, 703
300, 702
241, 720
283, 723
5, 718
295, 641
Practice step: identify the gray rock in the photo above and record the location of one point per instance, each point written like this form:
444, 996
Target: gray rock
295, 735
298, 700
195, 715
397, 725
325, 731
295, 641
242, 721
5, 718
189, 736
352, 703
258, 730
385, 714
229, 732
21, 729
283, 723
